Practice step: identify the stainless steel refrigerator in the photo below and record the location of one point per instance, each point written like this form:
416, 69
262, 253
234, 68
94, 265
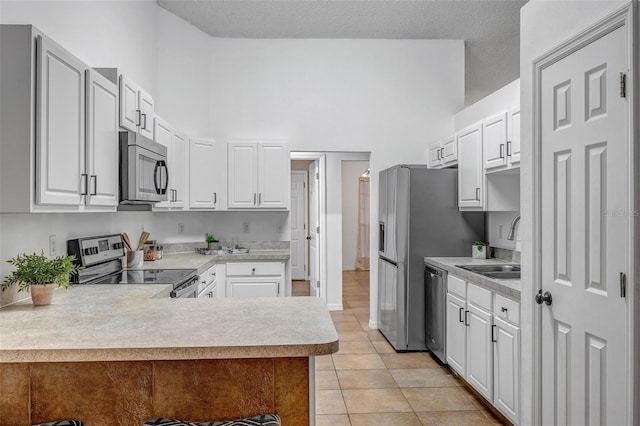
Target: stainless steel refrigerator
419, 217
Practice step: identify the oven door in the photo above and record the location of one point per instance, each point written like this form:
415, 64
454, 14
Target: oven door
187, 289
148, 175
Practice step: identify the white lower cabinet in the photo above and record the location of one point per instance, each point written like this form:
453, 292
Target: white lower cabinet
255, 279
208, 283
483, 343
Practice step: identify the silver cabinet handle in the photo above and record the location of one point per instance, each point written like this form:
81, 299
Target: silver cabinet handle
145, 121
254, 198
215, 198
439, 158
260, 198
508, 148
84, 184
501, 150
442, 153
477, 194
466, 323
95, 185
139, 112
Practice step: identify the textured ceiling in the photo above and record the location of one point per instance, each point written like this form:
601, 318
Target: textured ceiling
491, 29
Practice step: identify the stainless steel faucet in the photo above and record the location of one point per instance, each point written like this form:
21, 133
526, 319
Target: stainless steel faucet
512, 231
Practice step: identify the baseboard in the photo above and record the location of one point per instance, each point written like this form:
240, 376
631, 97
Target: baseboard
335, 306
349, 268
373, 324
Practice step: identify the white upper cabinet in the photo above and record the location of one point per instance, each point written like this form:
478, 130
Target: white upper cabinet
513, 144
443, 153
494, 133
102, 140
136, 108
178, 167
471, 180
259, 175
60, 127
207, 174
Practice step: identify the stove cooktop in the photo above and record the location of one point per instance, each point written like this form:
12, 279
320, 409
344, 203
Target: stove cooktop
147, 276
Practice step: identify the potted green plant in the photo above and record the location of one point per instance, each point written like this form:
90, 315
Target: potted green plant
480, 250
40, 275
212, 242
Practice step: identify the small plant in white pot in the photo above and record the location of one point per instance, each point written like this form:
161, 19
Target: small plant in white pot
480, 250
40, 275
212, 242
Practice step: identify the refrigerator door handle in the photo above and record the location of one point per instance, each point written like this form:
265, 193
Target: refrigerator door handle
381, 238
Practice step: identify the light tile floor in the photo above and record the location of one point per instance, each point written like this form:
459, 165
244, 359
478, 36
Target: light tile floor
366, 382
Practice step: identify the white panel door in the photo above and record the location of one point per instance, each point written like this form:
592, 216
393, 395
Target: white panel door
450, 150
434, 155
203, 185
470, 171
494, 139
164, 136
177, 165
102, 140
60, 129
129, 109
584, 236
146, 105
513, 144
456, 334
506, 369
253, 286
298, 217
479, 350
243, 166
274, 167
314, 226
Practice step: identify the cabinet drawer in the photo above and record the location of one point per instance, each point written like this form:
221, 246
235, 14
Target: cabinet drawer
507, 309
457, 285
257, 268
479, 296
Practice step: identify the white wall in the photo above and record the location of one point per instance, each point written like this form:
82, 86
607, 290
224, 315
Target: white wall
543, 26
351, 172
102, 33
387, 97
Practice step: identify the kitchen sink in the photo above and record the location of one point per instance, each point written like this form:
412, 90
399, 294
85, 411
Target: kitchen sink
499, 271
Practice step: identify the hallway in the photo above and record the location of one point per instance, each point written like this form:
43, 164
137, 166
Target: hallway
366, 382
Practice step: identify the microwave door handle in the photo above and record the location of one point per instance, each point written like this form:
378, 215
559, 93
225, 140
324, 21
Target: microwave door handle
155, 177
166, 176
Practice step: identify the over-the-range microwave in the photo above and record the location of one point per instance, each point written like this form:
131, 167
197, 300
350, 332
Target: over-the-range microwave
144, 176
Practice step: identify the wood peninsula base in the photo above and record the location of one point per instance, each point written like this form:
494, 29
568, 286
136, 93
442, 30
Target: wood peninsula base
125, 393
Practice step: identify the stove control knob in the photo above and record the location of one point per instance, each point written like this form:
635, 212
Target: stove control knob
87, 251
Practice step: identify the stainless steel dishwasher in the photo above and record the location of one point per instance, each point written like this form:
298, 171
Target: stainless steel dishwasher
435, 282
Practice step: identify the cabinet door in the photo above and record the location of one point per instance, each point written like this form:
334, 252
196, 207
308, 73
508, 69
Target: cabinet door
513, 144
435, 155
450, 150
146, 105
253, 286
506, 362
129, 109
470, 172
494, 135
177, 165
479, 351
456, 342
203, 185
274, 173
164, 135
102, 140
60, 129
243, 161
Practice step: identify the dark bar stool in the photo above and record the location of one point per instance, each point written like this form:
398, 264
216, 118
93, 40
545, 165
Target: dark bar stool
262, 420
62, 423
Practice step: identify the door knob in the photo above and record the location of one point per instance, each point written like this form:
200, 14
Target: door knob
546, 298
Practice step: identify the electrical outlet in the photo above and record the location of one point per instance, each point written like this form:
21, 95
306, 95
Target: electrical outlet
245, 227
53, 243
181, 228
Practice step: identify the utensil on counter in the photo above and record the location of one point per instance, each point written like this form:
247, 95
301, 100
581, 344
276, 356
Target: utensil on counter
127, 241
143, 239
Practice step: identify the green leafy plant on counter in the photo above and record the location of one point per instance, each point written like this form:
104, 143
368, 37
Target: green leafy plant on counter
37, 269
479, 245
210, 238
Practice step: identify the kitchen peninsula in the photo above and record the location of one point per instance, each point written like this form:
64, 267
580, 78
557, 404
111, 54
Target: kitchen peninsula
117, 355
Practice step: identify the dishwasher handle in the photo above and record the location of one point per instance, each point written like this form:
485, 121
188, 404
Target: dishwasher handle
434, 271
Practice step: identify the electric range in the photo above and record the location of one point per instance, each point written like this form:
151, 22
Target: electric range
100, 262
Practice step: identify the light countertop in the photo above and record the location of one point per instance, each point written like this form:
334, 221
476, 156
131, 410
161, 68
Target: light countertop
509, 288
202, 262
134, 322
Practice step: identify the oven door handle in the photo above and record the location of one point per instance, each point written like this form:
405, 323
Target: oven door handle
184, 288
